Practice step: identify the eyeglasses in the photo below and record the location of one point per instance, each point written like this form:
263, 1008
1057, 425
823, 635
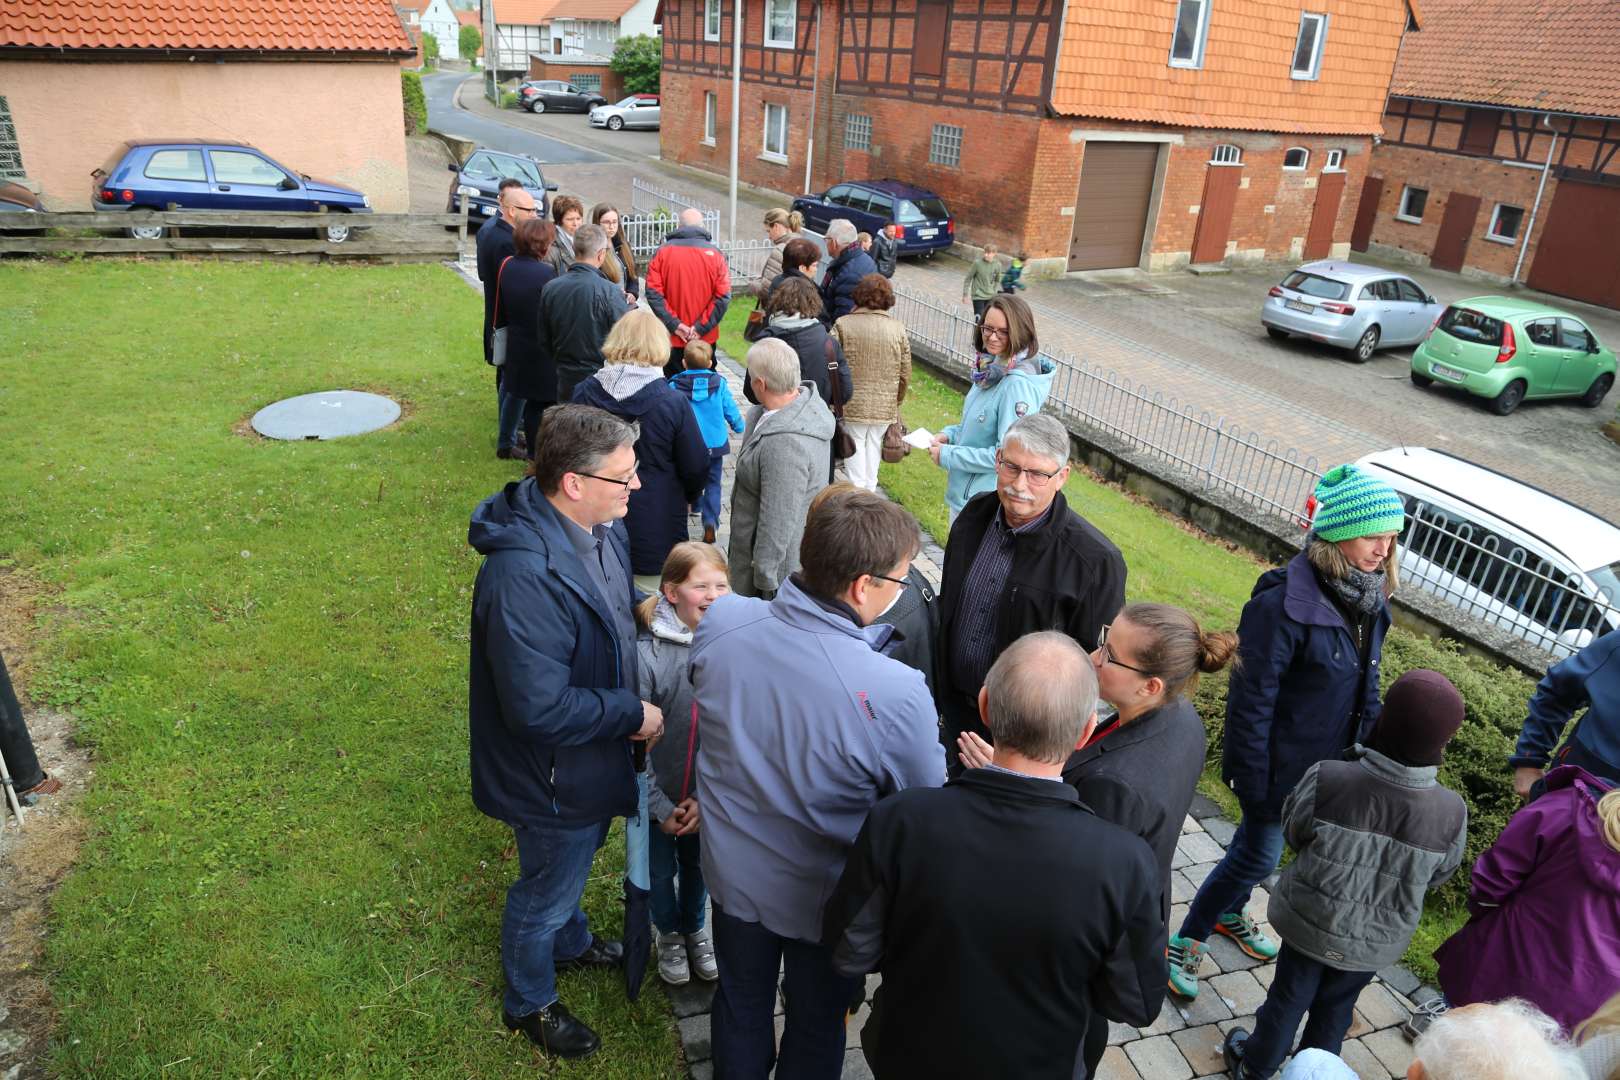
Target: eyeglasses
613, 480
986, 331
1110, 658
1038, 478
902, 582
525, 210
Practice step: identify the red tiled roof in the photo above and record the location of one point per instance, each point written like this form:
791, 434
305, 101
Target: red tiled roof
522, 12
468, 18
1557, 55
594, 10
342, 26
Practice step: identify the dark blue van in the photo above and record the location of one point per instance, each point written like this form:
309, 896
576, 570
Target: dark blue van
184, 174
922, 223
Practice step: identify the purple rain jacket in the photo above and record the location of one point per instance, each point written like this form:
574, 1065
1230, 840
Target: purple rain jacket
1545, 907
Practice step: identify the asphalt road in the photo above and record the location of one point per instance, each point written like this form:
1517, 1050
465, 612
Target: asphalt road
497, 134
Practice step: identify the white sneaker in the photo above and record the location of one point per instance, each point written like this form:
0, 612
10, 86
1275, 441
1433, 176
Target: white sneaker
672, 960
700, 947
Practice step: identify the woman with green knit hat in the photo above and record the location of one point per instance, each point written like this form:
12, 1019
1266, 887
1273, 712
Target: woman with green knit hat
1305, 689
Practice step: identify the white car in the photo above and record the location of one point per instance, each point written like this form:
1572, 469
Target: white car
1502, 551
635, 111
1358, 308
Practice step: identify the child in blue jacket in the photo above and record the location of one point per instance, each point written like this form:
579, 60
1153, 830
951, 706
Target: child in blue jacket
715, 408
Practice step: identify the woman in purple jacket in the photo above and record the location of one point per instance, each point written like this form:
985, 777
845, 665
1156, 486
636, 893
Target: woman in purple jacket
1545, 906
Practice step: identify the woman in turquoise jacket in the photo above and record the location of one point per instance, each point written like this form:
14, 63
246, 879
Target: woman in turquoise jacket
1010, 379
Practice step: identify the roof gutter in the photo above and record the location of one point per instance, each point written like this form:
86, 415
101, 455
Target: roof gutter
1057, 58
1530, 226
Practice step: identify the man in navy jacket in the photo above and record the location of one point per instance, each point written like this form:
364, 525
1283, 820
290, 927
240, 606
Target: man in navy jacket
850, 263
552, 703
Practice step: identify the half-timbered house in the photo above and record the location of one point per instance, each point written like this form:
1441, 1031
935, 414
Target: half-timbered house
1498, 156
1112, 133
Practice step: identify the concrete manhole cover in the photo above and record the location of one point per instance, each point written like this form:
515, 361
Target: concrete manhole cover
330, 414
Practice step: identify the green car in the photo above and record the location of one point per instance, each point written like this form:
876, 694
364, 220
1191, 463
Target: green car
1506, 349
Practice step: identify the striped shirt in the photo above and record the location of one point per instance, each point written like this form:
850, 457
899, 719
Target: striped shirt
973, 638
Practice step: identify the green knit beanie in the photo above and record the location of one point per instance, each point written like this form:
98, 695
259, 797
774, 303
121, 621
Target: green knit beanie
1350, 504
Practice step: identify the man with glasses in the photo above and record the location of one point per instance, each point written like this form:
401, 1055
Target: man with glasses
552, 703
806, 725
1018, 561
495, 243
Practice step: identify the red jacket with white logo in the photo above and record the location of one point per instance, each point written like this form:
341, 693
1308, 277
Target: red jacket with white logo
689, 282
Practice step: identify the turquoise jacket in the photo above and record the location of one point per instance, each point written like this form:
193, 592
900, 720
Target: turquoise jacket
970, 456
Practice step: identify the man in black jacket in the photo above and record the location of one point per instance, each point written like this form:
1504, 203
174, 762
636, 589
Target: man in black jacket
1019, 560
850, 263
495, 244
885, 251
1005, 917
577, 309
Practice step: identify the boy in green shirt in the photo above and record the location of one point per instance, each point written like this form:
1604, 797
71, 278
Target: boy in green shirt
982, 279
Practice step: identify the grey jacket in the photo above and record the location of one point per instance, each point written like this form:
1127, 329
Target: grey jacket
1371, 836
806, 725
781, 465
664, 649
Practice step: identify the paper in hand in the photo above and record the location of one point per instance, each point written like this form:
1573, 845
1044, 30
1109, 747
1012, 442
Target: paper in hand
921, 438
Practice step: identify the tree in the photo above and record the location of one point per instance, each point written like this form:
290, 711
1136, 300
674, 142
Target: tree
430, 50
469, 42
637, 59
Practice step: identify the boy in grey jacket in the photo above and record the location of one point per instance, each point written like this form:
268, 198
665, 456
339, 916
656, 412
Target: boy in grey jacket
1371, 835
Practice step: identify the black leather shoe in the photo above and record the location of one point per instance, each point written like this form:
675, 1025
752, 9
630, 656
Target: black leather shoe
600, 953
556, 1031
1232, 1052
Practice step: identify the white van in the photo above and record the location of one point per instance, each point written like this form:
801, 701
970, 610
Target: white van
1503, 551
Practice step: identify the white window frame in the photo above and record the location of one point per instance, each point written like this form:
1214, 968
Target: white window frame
1496, 216
711, 113
1335, 161
1304, 162
711, 20
1314, 69
1226, 154
861, 124
1406, 194
793, 23
941, 137
1199, 37
778, 156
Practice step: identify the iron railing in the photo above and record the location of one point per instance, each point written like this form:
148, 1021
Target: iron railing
646, 231
648, 199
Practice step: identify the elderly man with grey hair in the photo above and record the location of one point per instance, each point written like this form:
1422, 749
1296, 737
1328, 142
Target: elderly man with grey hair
552, 705
688, 287
781, 465
1006, 917
1018, 560
850, 263
577, 309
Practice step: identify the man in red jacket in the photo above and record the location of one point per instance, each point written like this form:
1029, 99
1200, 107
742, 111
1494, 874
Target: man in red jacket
688, 287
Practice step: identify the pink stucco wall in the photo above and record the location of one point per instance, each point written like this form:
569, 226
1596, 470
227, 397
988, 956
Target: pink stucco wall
334, 120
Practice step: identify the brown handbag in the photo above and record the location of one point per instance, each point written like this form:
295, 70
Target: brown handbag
895, 447
843, 443
756, 325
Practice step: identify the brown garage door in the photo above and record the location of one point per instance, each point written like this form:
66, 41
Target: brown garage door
1111, 211
1456, 227
1366, 213
1578, 255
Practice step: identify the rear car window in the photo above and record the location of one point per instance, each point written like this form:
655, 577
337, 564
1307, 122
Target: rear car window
1466, 324
176, 165
922, 209
1314, 285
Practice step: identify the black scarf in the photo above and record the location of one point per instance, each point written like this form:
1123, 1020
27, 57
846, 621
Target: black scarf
1362, 591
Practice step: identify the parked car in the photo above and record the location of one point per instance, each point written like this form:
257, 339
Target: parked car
1359, 308
635, 111
16, 204
1510, 554
541, 95
1507, 349
478, 180
922, 223
195, 175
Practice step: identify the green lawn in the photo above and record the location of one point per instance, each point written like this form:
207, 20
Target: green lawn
266, 645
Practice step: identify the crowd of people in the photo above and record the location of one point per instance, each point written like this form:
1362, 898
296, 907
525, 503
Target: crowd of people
976, 792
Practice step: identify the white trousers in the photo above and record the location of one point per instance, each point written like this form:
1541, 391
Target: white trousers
862, 466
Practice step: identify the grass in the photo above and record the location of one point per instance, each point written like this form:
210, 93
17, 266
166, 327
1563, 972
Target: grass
265, 644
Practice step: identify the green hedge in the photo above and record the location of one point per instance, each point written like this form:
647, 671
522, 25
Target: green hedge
410, 85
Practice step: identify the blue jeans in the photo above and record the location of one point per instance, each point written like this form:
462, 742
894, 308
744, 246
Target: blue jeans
511, 420
543, 922
676, 908
1253, 853
709, 501
1301, 985
742, 1025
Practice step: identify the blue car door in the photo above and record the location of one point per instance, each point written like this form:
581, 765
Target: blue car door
829, 206
246, 180
175, 176
879, 213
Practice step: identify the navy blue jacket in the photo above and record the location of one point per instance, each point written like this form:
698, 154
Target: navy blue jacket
838, 287
493, 242
1590, 679
548, 705
1300, 694
530, 372
674, 463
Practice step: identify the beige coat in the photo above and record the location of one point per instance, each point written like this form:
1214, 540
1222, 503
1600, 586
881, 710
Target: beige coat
879, 357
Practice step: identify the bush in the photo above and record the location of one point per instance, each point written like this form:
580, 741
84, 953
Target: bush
509, 99
469, 41
638, 58
430, 50
416, 119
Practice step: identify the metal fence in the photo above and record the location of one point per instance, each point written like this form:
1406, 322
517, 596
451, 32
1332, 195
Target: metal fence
647, 199
646, 231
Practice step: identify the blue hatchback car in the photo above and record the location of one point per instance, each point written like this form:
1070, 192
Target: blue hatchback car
185, 174
478, 180
922, 223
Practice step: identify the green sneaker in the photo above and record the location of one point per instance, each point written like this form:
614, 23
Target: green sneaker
1185, 956
1246, 932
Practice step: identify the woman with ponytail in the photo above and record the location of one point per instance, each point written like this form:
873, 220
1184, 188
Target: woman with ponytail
620, 265
780, 227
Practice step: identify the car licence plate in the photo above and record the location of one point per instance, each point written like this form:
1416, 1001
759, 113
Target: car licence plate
1300, 305
486, 209
927, 234
1447, 373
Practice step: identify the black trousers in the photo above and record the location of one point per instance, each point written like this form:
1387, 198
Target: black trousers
1302, 986
15, 742
532, 411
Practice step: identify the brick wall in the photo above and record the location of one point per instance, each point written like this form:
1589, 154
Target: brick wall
1441, 174
681, 132
562, 69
